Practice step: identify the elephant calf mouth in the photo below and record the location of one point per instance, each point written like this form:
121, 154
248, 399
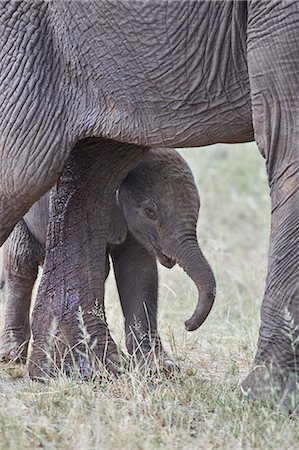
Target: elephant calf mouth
165, 261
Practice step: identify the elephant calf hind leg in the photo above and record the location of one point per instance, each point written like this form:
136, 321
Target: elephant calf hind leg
21, 255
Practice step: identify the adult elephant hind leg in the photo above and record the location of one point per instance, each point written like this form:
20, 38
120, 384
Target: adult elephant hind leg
137, 281
21, 256
273, 68
69, 325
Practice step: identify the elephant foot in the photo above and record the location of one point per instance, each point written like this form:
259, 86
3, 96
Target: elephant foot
88, 361
112, 361
153, 363
167, 364
92, 367
151, 358
274, 387
13, 347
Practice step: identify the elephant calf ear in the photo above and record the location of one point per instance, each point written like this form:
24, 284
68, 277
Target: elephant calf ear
118, 227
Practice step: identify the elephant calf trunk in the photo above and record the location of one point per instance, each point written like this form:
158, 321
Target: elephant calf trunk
201, 312
196, 266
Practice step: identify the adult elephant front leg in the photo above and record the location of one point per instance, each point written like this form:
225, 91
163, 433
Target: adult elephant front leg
273, 68
74, 270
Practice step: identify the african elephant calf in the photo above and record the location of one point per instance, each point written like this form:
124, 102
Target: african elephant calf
155, 215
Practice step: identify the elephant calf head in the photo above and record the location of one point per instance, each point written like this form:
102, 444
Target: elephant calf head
160, 203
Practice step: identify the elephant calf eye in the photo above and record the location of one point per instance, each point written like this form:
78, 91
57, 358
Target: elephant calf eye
150, 211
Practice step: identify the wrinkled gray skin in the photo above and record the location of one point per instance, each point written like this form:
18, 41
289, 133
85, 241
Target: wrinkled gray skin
155, 214
170, 74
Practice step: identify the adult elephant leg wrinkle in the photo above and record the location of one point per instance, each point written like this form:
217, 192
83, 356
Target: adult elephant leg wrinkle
74, 268
274, 86
24, 179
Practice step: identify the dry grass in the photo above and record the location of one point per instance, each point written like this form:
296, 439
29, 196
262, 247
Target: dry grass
201, 407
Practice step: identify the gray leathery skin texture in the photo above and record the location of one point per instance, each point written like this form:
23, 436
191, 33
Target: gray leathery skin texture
21, 256
192, 73
32, 110
276, 122
182, 67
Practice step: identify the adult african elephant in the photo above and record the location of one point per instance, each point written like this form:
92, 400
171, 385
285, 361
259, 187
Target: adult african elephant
157, 208
180, 73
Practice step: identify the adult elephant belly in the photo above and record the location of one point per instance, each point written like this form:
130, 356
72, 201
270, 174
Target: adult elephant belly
200, 122
160, 74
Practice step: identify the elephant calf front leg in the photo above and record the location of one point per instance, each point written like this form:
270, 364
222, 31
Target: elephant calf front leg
21, 256
137, 281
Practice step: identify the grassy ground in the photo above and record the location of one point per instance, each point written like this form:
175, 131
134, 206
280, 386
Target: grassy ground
201, 407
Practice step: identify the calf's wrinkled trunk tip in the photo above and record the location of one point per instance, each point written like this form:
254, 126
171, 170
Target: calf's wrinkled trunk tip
193, 262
